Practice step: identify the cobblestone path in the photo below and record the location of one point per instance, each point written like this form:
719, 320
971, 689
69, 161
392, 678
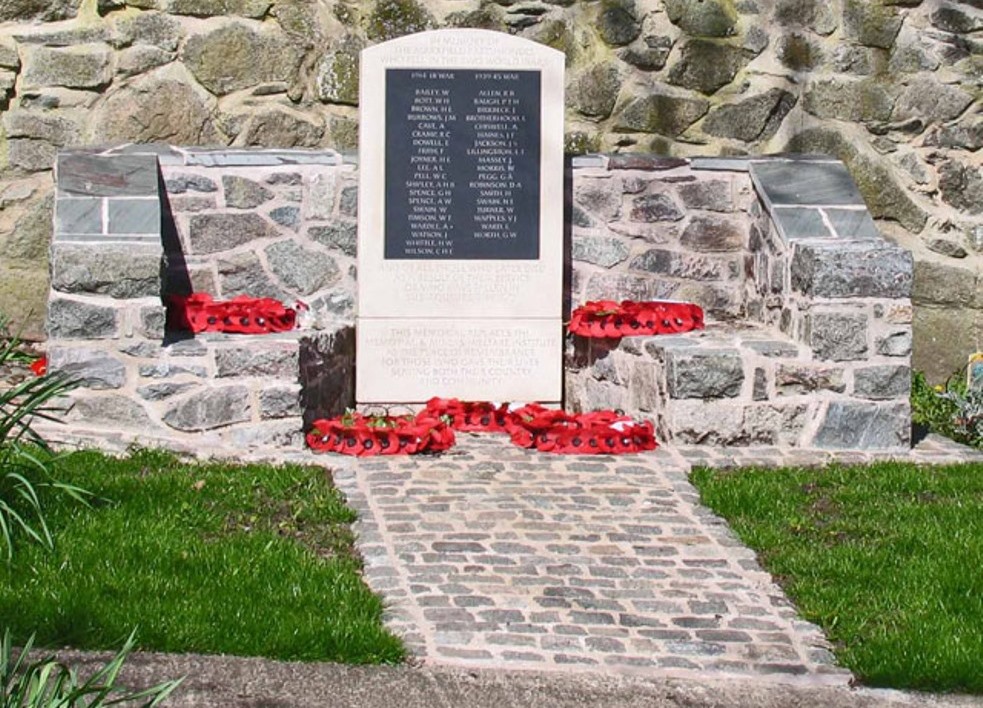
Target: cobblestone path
490, 555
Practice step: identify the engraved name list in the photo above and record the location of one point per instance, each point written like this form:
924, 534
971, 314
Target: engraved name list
462, 164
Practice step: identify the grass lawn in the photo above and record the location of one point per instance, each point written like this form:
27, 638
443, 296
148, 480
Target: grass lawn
251, 560
887, 558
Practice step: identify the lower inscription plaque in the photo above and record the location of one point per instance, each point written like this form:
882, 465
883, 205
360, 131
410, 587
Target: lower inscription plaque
462, 166
413, 360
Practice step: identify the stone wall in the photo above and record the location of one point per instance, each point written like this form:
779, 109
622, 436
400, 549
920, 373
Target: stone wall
809, 337
133, 229
891, 87
808, 342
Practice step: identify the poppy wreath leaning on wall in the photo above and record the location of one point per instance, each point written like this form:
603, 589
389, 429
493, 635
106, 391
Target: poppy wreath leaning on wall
610, 319
241, 315
530, 426
364, 436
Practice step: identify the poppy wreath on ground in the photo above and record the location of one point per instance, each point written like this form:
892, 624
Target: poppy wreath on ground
548, 429
365, 436
471, 417
241, 315
610, 319
597, 432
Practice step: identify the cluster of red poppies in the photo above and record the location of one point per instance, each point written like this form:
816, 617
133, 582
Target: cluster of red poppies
610, 319
241, 315
364, 436
529, 426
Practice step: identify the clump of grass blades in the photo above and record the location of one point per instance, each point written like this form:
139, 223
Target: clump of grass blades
48, 683
23, 471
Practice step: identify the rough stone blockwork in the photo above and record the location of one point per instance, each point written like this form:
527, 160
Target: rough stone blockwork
809, 340
808, 345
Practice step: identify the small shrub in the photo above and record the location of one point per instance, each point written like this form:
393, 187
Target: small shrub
47, 683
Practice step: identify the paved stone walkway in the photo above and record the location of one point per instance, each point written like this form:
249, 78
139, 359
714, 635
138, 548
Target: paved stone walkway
492, 556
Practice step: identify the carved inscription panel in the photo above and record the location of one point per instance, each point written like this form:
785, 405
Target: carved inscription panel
411, 361
460, 165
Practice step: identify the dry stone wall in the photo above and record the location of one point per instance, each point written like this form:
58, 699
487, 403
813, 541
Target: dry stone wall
891, 87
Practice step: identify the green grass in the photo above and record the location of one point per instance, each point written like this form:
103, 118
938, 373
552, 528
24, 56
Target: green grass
212, 558
887, 558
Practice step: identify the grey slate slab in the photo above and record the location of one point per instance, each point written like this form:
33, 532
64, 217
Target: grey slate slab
78, 216
81, 174
588, 161
800, 222
121, 239
262, 158
793, 183
853, 223
134, 216
731, 164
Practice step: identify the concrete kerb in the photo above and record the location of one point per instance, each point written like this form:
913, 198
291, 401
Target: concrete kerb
222, 681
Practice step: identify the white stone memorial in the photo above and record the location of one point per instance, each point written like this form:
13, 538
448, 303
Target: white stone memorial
460, 219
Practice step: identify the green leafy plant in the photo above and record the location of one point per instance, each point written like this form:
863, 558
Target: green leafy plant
930, 408
48, 683
951, 409
25, 468
25, 460
967, 419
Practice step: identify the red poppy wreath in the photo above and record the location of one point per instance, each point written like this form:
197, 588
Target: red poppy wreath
432, 430
241, 315
610, 319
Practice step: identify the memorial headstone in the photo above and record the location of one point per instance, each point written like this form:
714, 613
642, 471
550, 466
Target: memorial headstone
460, 225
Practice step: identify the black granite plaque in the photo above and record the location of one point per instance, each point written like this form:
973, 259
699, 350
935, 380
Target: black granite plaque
462, 164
